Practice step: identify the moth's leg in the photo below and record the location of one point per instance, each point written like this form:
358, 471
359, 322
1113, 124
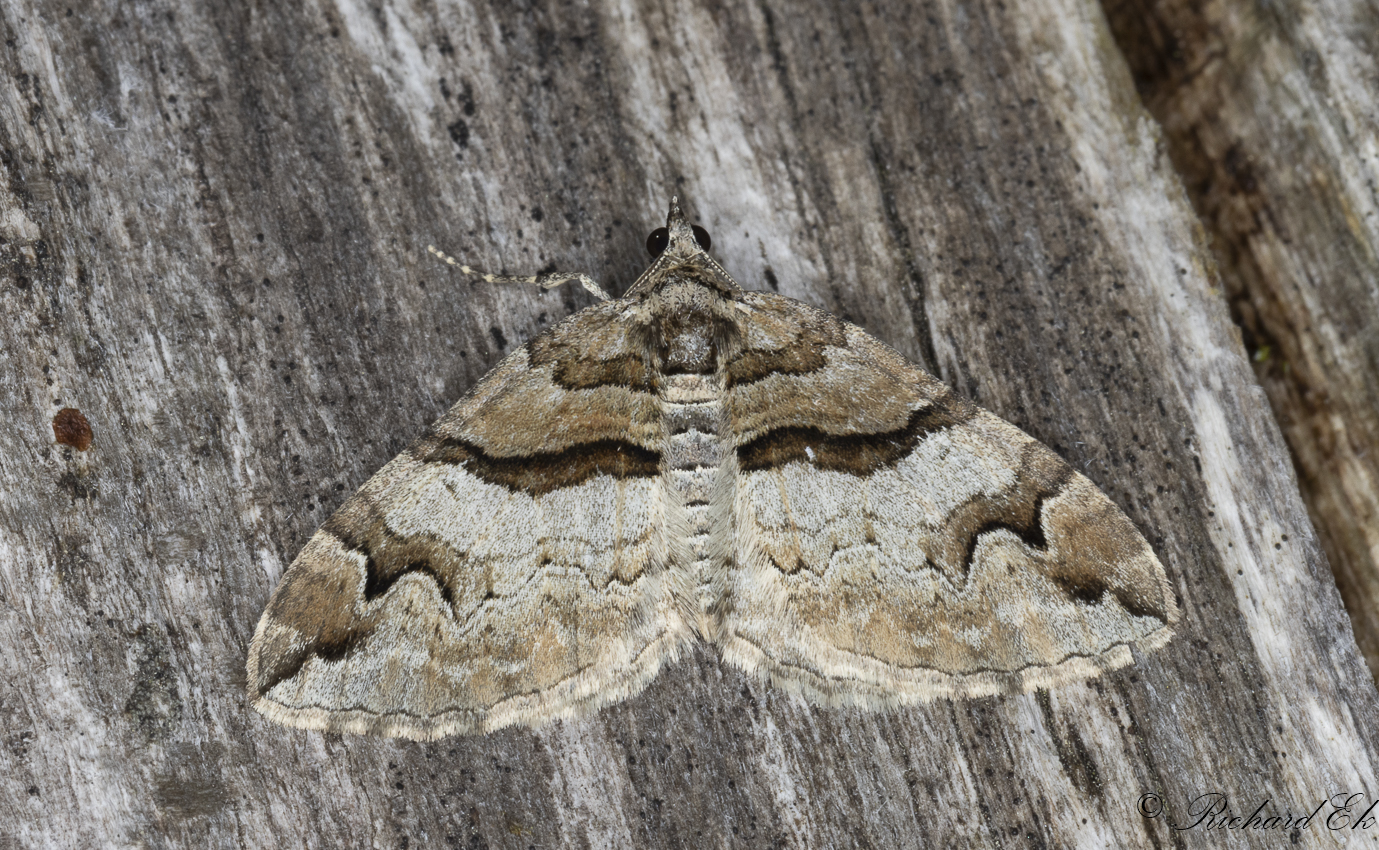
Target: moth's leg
545, 281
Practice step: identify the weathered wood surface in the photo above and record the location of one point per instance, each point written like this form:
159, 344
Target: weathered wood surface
1271, 118
213, 218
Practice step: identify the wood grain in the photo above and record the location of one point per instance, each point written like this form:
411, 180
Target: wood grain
212, 234
1269, 115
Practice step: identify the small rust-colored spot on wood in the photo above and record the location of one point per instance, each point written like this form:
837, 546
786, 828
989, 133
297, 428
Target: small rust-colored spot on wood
70, 428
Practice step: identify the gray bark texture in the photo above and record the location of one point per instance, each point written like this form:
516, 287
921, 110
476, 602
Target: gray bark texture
1271, 112
213, 222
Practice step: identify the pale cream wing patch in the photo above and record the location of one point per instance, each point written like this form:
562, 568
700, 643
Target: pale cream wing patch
506, 568
925, 549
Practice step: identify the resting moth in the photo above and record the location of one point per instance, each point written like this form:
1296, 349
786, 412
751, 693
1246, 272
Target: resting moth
693, 461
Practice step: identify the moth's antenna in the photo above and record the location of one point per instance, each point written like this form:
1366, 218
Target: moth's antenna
545, 281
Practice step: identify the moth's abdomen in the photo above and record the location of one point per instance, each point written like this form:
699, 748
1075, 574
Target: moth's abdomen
699, 470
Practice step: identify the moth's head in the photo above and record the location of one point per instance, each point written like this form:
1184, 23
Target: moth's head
680, 255
678, 239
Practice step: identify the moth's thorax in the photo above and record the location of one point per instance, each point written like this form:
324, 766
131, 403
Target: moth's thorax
692, 328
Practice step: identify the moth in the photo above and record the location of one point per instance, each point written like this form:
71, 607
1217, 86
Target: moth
696, 462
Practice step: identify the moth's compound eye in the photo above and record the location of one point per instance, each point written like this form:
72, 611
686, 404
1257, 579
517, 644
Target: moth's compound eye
658, 240
702, 237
